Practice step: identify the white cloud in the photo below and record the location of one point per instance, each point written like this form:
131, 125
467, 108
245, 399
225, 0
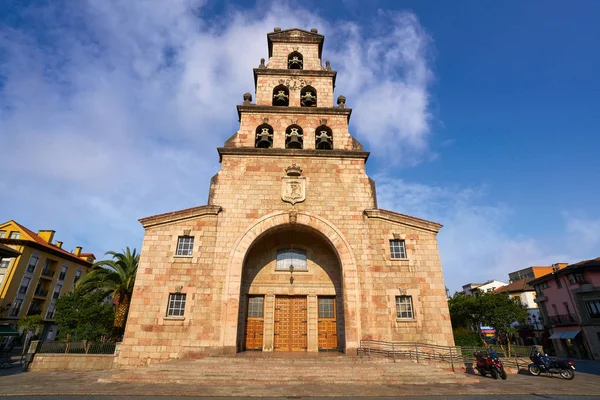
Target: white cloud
112, 110
475, 245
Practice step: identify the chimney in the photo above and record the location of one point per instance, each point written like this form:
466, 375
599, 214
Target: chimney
59, 244
46, 235
77, 251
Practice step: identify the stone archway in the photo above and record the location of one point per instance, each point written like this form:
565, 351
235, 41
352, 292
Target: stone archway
331, 235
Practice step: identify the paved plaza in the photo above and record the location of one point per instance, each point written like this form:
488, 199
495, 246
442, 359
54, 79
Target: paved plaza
16, 383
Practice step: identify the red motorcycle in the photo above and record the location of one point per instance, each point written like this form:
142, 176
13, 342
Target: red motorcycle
489, 364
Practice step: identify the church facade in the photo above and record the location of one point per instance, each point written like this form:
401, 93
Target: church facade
291, 253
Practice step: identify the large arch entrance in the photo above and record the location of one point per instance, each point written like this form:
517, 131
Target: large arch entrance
291, 293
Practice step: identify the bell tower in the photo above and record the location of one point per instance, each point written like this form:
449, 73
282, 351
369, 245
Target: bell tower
294, 106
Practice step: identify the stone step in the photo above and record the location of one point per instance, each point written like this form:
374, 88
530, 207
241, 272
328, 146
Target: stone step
287, 371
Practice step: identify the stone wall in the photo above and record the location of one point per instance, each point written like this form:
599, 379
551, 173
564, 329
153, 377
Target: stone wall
72, 362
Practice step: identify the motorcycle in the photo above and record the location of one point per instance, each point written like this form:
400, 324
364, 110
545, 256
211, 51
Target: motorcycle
543, 363
489, 364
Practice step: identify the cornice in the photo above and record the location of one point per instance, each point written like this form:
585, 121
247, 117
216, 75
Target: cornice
48, 249
254, 108
251, 151
180, 215
403, 219
294, 72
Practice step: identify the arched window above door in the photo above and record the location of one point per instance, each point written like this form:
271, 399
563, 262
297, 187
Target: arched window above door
291, 257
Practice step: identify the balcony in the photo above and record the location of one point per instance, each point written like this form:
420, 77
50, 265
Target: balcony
40, 292
47, 273
34, 311
563, 319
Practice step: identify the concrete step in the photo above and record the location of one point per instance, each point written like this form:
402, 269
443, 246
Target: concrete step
268, 370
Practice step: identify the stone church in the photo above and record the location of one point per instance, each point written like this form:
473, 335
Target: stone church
291, 253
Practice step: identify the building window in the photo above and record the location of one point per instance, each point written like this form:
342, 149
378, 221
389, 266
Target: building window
50, 313
15, 235
5, 262
185, 245
2, 234
63, 273
16, 308
291, 257
77, 277
255, 307
404, 307
575, 278
24, 285
32, 263
326, 307
397, 248
176, 305
558, 283
57, 290
593, 308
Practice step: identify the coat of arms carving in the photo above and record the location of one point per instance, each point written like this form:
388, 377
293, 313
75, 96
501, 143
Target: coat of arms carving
293, 186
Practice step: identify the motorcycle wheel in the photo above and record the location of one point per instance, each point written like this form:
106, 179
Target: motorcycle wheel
534, 370
503, 374
567, 374
494, 374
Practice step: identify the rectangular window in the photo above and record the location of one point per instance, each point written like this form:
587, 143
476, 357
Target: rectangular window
32, 263
2, 234
397, 248
326, 307
57, 290
593, 308
185, 245
176, 305
24, 285
558, 283
255, 307
16, 307
567, 308
5, 262
404, 307
63, 273
50, 312
15, 235
77, 276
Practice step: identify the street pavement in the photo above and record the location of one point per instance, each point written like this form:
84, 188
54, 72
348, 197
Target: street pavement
84, 384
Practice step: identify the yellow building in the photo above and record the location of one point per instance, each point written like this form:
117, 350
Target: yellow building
38, 273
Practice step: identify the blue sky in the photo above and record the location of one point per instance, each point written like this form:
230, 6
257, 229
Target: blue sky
480, 115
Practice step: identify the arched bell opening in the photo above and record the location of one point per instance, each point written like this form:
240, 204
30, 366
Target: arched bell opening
281, 96
291, 293
294, 137
323, 138
308, 97
295, 60
264, 137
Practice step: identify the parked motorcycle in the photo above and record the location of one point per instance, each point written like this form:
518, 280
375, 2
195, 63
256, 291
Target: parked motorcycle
489, 364
543, 363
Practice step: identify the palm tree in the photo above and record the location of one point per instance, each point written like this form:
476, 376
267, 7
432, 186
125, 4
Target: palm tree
114, 278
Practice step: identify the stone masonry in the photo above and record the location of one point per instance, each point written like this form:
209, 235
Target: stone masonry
318, 201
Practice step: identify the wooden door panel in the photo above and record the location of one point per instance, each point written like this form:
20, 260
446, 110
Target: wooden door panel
290, 323
327, 324
254, 334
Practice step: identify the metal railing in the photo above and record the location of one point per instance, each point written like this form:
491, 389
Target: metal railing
451, 355
563, 319
56, 347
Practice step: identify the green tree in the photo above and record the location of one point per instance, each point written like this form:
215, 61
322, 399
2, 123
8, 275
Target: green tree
114, 278
496, 310
86, 318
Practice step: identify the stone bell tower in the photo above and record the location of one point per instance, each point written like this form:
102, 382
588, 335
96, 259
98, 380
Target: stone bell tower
291, 253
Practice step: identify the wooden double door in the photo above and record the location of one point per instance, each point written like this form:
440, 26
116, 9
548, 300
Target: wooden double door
290, 323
